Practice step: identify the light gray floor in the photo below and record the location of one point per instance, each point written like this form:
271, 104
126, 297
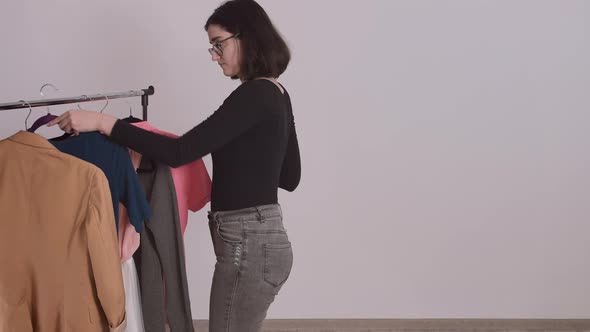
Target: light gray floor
419, 325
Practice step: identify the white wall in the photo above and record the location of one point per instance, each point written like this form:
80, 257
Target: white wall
444, 143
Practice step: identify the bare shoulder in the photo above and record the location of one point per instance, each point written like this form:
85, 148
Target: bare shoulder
274, 81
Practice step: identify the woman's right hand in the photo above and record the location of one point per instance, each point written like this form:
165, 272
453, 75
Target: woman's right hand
79, 121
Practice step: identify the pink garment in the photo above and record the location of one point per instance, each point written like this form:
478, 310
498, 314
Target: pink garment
192, 182
193, 192
128, 236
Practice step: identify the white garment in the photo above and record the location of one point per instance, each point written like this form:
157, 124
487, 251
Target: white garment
132, 297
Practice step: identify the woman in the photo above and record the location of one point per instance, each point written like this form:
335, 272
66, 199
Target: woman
254, 149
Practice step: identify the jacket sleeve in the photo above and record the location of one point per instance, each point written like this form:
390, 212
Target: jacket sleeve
104, 253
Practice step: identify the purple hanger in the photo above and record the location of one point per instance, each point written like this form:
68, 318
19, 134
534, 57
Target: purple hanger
46, 118
41, 121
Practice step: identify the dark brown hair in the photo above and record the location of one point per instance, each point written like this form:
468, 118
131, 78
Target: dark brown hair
264, 52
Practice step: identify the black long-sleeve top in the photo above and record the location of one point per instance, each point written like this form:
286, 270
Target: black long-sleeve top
252, 141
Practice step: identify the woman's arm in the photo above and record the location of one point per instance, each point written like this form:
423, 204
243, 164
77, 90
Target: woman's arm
291, 169
243, 109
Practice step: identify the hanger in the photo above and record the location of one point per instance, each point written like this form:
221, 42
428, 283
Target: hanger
67, 135
46, 118
105, 97
105, 105
30, 111
131, 118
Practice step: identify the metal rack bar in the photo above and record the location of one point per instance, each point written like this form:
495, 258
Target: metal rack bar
144, 93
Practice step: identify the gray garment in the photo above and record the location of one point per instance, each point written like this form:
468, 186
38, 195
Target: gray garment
161, 255
254, 259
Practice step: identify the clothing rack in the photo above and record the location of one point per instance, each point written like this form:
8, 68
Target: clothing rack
143, 93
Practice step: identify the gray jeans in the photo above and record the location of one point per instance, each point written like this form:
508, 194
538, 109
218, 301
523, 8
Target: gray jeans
254, 259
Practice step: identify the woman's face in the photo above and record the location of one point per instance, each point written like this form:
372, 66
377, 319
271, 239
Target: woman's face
225, 50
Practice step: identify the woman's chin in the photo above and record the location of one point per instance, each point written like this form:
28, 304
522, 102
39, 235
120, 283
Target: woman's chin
227, 72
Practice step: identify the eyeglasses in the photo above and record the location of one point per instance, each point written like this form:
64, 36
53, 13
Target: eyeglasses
217, 47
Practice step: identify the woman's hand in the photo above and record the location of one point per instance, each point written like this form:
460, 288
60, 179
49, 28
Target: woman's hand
79, 121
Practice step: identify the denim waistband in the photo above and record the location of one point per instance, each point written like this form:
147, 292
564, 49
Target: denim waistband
260, 212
